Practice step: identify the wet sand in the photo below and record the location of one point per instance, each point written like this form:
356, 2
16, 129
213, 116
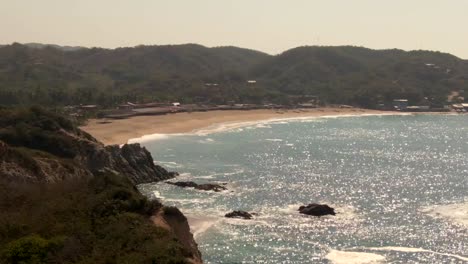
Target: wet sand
121, 130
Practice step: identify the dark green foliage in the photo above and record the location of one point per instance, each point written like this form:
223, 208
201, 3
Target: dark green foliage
351, 75
104, 220
39, 129
31, 249
50, 76
364, 77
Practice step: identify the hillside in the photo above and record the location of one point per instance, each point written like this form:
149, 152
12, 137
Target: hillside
65, 198
52, 76
365, 77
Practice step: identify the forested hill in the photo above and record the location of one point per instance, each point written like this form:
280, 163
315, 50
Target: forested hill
51, 75
363, 76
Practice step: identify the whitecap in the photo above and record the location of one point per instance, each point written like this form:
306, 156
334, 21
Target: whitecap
455, 213
274, 139
262, 125
350, 257
237, 126
188, 200
206, 141
238, 171
157, 195
211, 176
169, 164
245, 222
147, 138
416, 250
200, 224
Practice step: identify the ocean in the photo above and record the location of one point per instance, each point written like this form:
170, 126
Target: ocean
399, 185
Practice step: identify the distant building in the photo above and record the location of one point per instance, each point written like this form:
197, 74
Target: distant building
88, 107
126, 106
460, 107
400, 104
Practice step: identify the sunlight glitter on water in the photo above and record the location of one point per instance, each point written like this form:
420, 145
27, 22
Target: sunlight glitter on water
392, 180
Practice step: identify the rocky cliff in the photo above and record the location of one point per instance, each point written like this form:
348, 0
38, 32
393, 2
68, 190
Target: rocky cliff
172, 219
18, 163
39, 147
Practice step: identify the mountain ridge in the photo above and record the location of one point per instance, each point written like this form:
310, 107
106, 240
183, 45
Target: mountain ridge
337, 74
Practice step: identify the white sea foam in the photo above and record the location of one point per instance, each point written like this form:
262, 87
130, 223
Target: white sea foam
350, 257
189, 200
169, 164
244, 222
455, 213
211, 176
416, 250
262, 125
274, 139
238, 171
157, 195
233, 126
206, 141
200, 224
151, 137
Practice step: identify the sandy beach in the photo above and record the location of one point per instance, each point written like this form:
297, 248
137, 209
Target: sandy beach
119, 131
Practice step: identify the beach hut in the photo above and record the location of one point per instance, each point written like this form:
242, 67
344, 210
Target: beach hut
400, 104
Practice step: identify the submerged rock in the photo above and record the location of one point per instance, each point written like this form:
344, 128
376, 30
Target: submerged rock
317, 210
239, 214
203, 187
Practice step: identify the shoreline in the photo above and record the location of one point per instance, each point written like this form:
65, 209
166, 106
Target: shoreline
120, 131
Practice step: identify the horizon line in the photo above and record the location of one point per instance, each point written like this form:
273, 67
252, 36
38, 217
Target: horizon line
220, 46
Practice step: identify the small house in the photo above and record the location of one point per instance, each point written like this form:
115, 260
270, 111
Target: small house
400, 104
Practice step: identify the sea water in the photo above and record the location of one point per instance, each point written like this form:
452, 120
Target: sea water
399, 185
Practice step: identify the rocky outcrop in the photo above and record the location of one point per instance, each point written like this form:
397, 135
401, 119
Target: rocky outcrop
203, 187
131, 160
44, 150
89, 158
172, 219
317, 210
26, 165
239, 214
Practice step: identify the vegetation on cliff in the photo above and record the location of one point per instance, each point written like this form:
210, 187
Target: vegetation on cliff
103, 220
42, 146
65, 198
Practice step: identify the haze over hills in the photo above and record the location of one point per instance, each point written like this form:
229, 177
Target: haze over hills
54, 75
41, 46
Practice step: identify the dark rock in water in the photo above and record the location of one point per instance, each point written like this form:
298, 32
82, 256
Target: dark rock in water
239, 214
203, 187
317, 210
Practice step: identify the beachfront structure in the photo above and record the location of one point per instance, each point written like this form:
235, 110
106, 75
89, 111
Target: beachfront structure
400, 104
463, 107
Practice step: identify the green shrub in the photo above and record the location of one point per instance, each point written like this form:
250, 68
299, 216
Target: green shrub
31, 249
103, 220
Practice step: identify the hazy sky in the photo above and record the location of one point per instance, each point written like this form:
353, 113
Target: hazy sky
267, 25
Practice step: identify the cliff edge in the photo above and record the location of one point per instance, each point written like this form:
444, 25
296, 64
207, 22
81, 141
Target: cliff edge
39, 149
